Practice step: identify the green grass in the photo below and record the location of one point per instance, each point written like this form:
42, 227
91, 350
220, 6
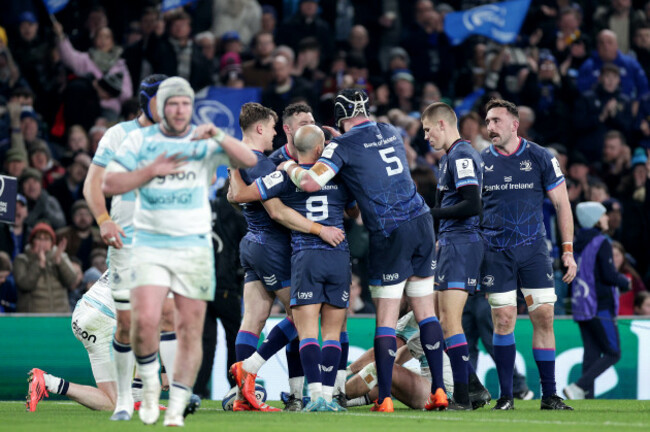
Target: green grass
589, 416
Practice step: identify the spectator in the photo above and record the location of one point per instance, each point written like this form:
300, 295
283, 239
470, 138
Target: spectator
78, 139
40, 204
357, 304
206, 41
9, 74
98, 258
15, 162
95, 21
29, 49
103, 63
641, 48
43, 274
622, 264
622, 20
68, 188
527, 119
25, 135
230, 71
642, 304
634, 82
603, 109
175, 54
81, 236
403, 94
632, 184
243, 16
7, 285
13, 236
308, 63
40, 157
257, 71
269, 19
595, 299
136, 54
615, 160
469, 127
614, 215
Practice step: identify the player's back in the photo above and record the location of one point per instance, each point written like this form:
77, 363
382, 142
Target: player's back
371, 159
513, 192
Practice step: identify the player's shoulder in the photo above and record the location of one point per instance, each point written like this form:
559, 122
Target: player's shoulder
537, 150
463, 149
274, 179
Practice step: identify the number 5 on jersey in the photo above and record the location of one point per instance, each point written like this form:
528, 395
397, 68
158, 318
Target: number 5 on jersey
394, 164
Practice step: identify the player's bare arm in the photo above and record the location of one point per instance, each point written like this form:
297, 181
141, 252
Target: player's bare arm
118, 181
240, 155
310, 180
239, 191
109, 230
560, 199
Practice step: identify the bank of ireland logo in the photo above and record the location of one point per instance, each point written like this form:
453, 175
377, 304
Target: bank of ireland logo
212, 111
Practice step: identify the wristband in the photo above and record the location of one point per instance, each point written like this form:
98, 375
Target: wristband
102, 218
567, 247
315, 228
287, 165
219, 136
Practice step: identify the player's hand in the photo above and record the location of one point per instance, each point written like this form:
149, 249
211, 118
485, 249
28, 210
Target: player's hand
205, 131
331, 235
164, 165
335, 133
111, 232
571, 267
60, 248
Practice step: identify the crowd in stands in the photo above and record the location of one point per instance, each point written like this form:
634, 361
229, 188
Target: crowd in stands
578, 71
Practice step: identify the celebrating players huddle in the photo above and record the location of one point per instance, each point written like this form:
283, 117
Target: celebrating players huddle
295, 250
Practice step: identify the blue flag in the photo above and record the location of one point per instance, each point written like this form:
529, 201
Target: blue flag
53, 6
8, 194
173, 4
498, 21
221, 106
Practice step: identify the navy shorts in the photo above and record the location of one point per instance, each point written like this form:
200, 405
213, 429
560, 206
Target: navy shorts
269, 263
407, 251
526, 266
458, 264
320, 276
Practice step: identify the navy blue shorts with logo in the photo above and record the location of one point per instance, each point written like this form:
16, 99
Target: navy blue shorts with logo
458, 263
407, 251
526, 266
320, 276
269, 262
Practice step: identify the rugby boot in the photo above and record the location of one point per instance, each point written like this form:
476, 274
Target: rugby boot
122, 415
192, 405
150, 409
341, 399
37, 389
385, 406
293, 404
333, 406
504, 403
136, 406
174, 420
248, 391
572, 391
455, 406
554, 402
238, 374
315, 405
524, 395
437, 401
242, 405
479, 396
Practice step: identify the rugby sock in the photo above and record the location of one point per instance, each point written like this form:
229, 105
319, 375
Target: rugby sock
55, 384
296, 375
331, 357
459, 358
504, 357
283, 333
167, 349
245, 344
545, 359
311, 358
124, 364
341, 374
148, 367
385, 351
136, 389
179, 397
433, 346
359, 401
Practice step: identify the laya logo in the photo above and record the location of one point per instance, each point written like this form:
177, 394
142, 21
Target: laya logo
526, 165
488, 280
390, 277
189, 175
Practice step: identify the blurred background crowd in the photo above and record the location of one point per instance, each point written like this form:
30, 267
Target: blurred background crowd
578, 71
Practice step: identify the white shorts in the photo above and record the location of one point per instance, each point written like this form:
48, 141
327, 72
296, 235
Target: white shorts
95, 330
119, 261
189, 271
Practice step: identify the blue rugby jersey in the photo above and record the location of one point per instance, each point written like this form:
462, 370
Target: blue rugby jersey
371, 160
261, 228
513, 193
281, 155
325, 206
461, 166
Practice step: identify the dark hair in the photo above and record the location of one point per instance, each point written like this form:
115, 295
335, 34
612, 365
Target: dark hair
5, 261
640, 298
502, 103
252, 112
295, 108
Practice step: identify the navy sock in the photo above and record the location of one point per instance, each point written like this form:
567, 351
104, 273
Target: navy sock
311, 358
504, 357
245, 345
433, 345
385, 350
459, 359
345, 349
293, 359
545, 359
331, 357
278, 338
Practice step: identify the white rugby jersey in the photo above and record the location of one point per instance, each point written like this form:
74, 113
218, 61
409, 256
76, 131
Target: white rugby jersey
171, 211
99, 296
121, 205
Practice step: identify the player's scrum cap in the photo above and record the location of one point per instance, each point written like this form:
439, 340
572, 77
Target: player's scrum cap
350, 103
148, 88
174, 86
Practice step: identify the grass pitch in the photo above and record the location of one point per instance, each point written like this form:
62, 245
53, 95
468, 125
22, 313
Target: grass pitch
589, 416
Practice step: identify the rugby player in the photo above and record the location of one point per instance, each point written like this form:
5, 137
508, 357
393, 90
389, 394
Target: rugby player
294, 116
517, 174
172, 238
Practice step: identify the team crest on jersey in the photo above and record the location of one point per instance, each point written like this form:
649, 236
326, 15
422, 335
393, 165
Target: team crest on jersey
488, 280
272, 179
507, 179
526, 165
465, 168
